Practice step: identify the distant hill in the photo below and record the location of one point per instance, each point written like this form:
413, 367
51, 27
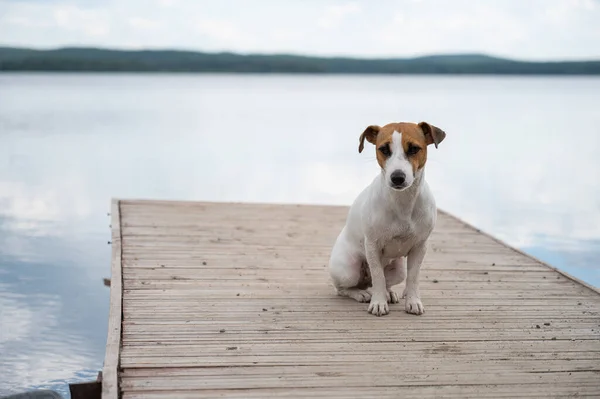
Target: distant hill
104, 60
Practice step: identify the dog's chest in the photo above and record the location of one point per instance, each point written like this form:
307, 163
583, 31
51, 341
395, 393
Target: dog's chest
399, 242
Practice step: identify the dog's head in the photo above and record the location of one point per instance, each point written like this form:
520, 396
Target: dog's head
402, 149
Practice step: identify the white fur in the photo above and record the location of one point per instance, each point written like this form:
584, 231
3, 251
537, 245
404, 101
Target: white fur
384, 227
398, 160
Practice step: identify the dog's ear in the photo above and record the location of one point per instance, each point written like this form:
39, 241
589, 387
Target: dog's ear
370, 134
433, 134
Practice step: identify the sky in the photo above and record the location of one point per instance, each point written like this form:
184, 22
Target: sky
521, 29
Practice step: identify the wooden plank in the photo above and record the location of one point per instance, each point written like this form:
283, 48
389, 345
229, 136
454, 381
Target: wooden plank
519, 349
533, 390
110, 384
180, 285
526, 255
322, 378
399, 351
234, 300
577, 305
292, 294
318, 275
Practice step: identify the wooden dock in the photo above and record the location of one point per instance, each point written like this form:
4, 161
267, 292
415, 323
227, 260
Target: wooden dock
233, 300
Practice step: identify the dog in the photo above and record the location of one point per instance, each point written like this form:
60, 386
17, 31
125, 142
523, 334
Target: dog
388, 226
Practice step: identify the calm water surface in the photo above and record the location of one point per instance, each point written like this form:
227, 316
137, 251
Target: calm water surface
520, 161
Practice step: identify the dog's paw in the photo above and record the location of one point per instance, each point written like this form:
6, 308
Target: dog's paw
362, 296
378, 307
388, 294
413, 305
394, 297
356, 294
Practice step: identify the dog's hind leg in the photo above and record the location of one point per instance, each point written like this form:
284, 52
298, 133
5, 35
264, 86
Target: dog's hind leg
350, 276
353, 282
395, 273
357, 294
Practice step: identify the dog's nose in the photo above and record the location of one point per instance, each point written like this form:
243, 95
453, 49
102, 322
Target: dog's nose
398, 177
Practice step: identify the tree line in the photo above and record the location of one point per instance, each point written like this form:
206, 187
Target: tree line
106, 60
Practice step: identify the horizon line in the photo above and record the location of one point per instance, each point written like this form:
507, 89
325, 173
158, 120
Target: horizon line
299, 55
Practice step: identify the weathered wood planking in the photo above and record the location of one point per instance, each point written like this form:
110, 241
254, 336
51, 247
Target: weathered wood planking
110, 383
234, 300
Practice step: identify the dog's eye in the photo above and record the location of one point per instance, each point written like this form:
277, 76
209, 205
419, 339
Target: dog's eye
412, 149
385, 150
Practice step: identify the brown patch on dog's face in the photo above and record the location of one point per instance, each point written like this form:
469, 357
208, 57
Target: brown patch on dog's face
414, 145
384, 145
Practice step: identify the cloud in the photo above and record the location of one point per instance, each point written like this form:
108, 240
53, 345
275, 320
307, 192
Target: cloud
423, 30
167, 3
334, 15
144, 23
25, 22
536, 29
41, 344
220, 30
89, 22
42, 202
50, 358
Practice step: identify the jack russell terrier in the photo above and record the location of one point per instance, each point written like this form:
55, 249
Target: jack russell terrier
391, 219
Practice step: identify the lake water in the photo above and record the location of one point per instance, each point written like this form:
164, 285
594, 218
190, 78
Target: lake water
520, 161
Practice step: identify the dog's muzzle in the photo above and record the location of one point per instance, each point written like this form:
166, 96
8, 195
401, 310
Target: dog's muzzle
398, 178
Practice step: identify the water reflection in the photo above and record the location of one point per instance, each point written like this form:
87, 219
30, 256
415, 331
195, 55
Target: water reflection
52, 312
70, 143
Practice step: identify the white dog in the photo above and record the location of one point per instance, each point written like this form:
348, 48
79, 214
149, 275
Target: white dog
391, 219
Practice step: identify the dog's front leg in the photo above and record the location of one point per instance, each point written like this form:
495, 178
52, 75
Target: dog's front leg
379, 293
411, 292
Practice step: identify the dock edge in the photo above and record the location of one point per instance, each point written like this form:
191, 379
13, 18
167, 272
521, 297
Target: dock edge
499, 241
110, 371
